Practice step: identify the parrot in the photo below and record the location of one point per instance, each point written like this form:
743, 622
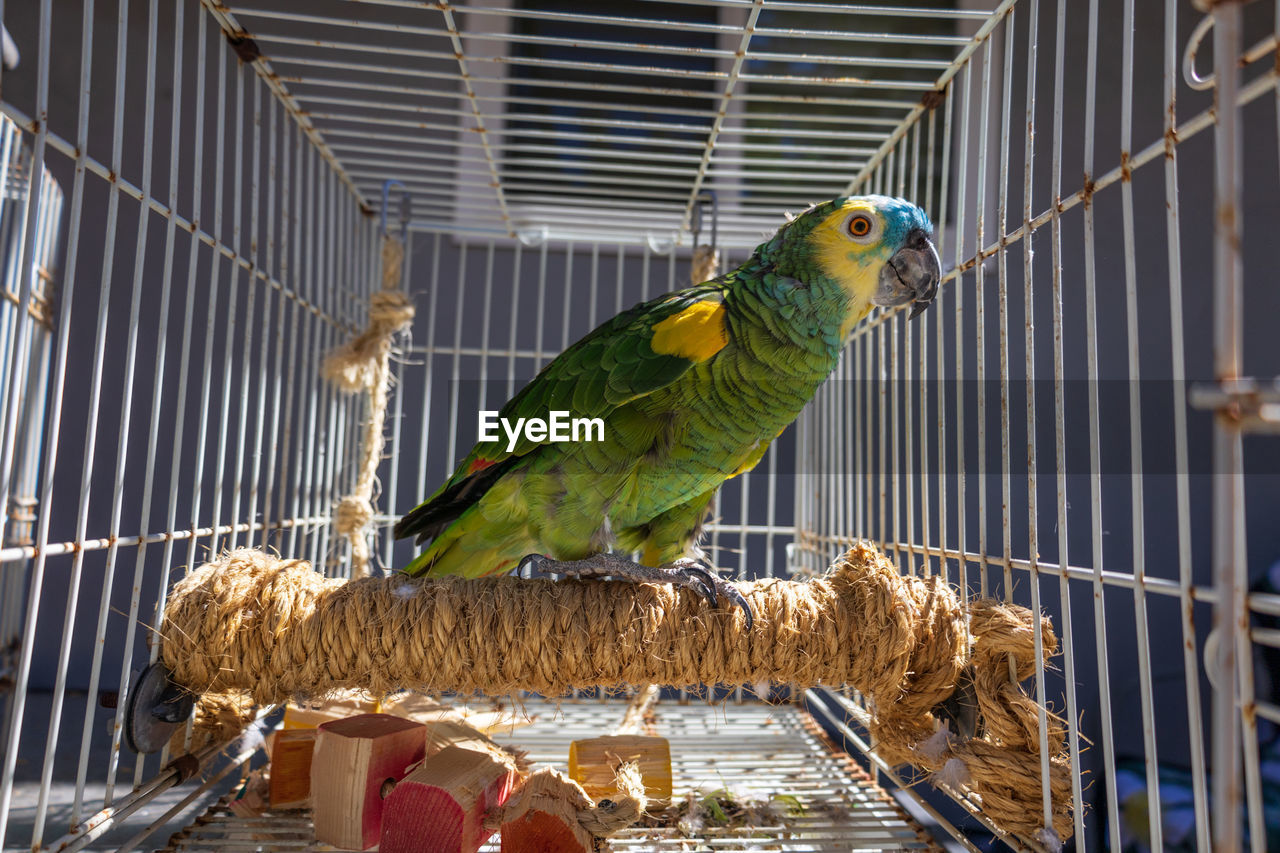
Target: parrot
692, 387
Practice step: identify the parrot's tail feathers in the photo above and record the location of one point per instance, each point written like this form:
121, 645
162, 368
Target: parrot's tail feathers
419, 565
430, 518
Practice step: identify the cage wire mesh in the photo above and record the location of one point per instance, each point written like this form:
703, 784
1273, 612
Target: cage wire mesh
1045, 433
30, 367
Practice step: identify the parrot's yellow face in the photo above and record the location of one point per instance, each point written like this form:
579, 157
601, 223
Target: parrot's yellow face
878, 249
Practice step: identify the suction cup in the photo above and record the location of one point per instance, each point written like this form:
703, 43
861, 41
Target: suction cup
157, 707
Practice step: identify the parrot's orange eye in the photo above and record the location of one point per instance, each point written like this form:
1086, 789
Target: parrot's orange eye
860, 226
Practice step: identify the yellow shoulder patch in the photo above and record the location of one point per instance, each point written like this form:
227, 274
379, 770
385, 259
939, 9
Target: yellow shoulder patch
696, 333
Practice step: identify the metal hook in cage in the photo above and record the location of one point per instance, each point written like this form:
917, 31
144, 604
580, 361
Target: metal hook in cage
406, 207
10, 50
1189, 73
696, 224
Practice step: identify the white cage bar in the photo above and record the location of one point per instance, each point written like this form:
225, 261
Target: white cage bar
224, 164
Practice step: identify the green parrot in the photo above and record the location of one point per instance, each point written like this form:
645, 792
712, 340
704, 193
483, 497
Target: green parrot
692, 387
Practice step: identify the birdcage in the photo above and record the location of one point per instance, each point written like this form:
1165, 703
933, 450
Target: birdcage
1070, 427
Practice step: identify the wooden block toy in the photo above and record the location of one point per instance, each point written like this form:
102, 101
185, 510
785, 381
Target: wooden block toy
308, 715
425, 709
440, 807
290, 783
418, 707
593, 763
443, 734
542, 817
355, 762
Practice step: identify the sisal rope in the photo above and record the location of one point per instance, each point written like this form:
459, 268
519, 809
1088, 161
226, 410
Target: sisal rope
363, 364
638, 711
549, 790
705, 265
216, 718
278, 629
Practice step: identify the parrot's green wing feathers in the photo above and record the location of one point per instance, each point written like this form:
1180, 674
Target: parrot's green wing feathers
634, 354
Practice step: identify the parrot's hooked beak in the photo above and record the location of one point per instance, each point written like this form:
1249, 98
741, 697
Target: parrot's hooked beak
911, 275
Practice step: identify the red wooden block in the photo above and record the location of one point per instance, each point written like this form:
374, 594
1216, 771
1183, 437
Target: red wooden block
353, 761
440, 807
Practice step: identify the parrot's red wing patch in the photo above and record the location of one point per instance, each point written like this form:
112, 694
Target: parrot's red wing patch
479, 465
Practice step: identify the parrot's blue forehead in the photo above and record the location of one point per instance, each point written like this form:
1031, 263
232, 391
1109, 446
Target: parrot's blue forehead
900, 218
900, 215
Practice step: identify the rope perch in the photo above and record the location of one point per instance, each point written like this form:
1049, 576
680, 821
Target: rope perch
277, 630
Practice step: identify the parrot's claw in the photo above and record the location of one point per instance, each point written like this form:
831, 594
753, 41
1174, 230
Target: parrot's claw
703, 579
960, 709
697, 575
531, 563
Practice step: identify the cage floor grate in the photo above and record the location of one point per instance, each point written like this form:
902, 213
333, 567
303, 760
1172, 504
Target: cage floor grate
755, 751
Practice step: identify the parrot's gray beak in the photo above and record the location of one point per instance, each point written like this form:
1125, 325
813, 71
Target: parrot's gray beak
911, 275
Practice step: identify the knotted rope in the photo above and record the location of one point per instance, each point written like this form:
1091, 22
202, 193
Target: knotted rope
549, 790
363, 364
278, 630
705, 265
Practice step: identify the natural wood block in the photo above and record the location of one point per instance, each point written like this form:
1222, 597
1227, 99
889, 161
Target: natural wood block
425, 709
440, 806
420, 708
290, 782
308, 715
443, 734
542, 817
354, 759
594, 761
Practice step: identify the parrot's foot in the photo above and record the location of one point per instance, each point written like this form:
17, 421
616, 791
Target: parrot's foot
697, 575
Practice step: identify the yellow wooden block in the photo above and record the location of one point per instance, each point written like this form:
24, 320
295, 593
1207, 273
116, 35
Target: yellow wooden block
593, 764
